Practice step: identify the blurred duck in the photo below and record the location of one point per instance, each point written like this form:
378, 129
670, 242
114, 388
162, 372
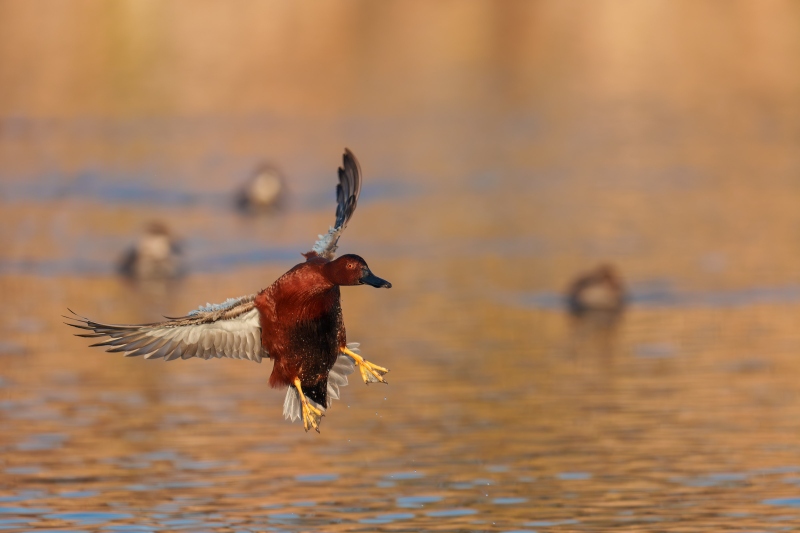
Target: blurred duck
155, 256
262, 191
597, 291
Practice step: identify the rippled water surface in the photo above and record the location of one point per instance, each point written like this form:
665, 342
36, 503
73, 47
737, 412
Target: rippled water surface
506, 147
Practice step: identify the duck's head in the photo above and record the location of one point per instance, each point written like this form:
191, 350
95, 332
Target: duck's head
351, 269
606, 273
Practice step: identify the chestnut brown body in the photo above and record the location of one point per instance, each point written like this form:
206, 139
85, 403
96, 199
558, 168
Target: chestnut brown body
302, 327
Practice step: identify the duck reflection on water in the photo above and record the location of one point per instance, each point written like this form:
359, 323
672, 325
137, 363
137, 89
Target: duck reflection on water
297, 322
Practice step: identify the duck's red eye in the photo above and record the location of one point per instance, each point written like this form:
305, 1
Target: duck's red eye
351, 266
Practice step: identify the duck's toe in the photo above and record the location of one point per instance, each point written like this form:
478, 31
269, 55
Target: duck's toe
311, 416
370, 372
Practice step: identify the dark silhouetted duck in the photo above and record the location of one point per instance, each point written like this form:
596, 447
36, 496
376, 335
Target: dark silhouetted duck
156, 255
597, 291
297, 322
263, 190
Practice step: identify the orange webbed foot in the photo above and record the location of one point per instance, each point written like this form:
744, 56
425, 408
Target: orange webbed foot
370, 372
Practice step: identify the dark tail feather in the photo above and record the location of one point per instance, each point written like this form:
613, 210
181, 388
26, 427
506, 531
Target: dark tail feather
348, 189
347, 192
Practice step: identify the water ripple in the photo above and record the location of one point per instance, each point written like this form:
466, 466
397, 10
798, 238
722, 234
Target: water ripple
451, 513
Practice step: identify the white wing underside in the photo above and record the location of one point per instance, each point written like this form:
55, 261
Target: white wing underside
337, 377
231, 329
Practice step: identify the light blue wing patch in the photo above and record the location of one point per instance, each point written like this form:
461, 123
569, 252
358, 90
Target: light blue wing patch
213, 308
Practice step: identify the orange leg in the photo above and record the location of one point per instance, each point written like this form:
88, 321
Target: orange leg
311, 415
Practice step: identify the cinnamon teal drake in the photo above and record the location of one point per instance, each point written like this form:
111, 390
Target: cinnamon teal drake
597, 291
297, 322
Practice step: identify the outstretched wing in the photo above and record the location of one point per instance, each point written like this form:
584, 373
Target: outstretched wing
230, 329
346, 197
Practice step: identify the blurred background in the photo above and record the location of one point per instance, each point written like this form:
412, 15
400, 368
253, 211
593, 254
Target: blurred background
506, 148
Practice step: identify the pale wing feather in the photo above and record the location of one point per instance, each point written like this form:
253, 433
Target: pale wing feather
347, 192
230, 330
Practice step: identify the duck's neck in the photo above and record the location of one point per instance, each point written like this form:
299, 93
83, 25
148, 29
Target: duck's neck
315, 301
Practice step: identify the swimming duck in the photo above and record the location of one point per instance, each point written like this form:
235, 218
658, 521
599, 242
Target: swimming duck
156, 255
297, 322
599, 290
263, 190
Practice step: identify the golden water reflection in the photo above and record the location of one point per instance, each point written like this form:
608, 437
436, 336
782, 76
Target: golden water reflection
506, 147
